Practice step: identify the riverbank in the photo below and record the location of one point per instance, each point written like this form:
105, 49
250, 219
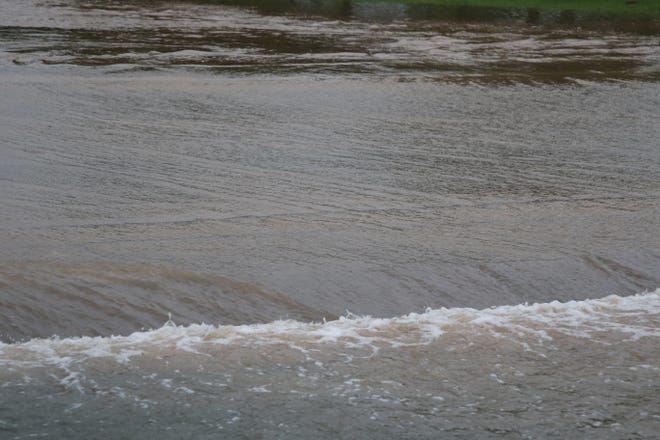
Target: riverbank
632, 7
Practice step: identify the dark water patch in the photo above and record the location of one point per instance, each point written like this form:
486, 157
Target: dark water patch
233, 40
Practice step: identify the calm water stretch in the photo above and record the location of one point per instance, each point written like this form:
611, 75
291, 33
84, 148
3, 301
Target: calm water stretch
333, 219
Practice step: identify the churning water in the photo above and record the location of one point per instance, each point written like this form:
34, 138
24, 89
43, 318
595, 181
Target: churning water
327, 220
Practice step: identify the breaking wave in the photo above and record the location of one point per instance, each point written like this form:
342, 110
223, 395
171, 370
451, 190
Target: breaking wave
608, 320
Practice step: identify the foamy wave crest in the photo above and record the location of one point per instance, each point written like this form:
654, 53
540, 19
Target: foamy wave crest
610, 319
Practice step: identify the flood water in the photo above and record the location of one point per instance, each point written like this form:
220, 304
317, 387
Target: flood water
327, 219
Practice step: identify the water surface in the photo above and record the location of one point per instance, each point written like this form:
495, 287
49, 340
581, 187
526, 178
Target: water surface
250, 169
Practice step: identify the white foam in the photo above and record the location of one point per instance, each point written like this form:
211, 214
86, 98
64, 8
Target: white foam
632, 317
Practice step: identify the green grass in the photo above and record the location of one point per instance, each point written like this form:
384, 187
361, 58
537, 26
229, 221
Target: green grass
642, 7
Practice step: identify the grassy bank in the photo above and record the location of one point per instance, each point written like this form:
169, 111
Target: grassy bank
641, 7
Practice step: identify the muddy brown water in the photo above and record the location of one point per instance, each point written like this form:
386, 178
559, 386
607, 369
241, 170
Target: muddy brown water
238, 176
